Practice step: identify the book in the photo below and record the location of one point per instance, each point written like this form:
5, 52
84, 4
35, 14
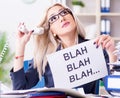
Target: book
49, 94
49, 97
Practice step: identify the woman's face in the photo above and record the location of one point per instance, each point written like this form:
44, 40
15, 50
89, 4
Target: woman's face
61, 21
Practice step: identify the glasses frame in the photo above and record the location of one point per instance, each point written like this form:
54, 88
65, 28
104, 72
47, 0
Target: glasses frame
59, 14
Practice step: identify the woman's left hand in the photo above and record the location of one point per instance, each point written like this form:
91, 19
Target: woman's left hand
107, 43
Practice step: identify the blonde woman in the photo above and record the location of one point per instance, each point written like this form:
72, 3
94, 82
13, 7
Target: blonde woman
62, 29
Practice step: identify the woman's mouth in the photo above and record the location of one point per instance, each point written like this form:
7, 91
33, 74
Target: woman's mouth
65, 24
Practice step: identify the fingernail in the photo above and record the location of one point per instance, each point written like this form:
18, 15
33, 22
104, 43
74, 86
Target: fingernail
94, 43
32, 30
97, 46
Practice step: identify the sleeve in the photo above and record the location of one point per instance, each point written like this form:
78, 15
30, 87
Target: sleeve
24, 80
107, 60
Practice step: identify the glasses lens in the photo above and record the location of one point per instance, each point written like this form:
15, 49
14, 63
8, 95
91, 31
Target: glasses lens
53, 18
64, 12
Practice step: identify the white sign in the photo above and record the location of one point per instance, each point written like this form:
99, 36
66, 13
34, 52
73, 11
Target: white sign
77, 65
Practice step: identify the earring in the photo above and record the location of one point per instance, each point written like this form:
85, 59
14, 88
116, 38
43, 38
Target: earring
54, 35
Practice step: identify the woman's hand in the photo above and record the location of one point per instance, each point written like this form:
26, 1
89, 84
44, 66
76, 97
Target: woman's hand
108, 44
22, 37
21, 40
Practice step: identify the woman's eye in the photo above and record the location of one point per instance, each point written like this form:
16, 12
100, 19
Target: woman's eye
53, 18
64, 12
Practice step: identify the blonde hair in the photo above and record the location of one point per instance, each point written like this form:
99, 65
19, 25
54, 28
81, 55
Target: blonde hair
47, 43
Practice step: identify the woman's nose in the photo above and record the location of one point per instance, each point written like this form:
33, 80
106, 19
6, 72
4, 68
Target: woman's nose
61, 18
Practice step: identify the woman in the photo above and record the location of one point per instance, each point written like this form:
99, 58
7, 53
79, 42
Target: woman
62, 30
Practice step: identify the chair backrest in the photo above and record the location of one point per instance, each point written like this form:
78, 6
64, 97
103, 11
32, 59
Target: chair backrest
97, 86
41, 82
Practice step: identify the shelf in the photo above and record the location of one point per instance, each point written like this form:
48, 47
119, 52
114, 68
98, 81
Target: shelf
117, 38
110, 14
91, 15
85, 14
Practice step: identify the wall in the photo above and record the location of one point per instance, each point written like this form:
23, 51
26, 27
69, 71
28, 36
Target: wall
15, 11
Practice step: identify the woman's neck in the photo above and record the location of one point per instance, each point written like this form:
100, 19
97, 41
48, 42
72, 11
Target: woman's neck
69, 41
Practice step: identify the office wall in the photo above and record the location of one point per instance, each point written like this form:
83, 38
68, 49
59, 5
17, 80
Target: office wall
12, 12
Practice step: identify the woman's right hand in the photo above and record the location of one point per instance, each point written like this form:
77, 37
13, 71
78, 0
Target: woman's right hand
22, 37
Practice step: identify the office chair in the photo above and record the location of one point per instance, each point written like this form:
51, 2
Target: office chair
97, 86
40, 84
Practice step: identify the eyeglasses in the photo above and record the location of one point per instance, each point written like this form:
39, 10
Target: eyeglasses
62, 13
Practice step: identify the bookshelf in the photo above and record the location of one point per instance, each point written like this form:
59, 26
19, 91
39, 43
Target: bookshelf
91, 14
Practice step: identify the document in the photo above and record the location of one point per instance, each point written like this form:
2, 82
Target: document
77, 65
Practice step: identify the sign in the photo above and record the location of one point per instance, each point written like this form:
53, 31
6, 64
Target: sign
77, 65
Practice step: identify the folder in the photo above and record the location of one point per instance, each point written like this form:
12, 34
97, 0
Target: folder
112, 83
105, 5
105, 26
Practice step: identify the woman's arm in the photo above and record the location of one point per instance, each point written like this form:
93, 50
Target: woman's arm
19, 78
24, 80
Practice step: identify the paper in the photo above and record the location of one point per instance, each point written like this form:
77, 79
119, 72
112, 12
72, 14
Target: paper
25, 93
77, 65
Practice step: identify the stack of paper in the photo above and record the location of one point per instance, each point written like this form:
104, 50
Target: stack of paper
112, 81
44, 93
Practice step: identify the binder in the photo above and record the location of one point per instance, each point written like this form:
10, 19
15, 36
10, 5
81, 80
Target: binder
105, 26
103, 30
102, 5
105, 6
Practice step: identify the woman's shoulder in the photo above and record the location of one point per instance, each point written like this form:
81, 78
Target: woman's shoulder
81, 39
